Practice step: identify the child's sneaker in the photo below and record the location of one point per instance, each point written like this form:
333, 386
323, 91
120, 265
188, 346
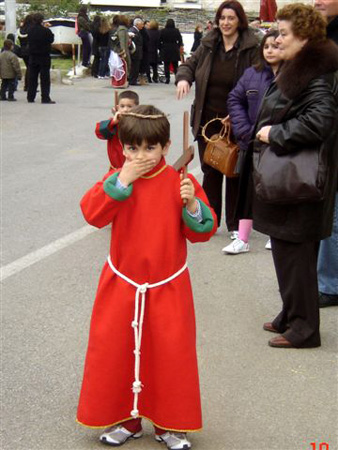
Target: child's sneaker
174, 441
118, 435
237, 246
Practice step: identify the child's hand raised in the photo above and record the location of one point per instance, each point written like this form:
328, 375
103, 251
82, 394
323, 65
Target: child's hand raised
134, 169
187, 191
116, 115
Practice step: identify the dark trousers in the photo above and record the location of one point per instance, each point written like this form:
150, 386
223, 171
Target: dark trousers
39, 65
7, 84
134, 71
155, 72
296, 270
26, 61
167, 68
86, 47
104, 53
213, 187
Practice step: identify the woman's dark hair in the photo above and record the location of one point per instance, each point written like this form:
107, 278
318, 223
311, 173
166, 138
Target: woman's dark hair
261, 64
83, 11
170, 23
238, 8
28, 20
38, 18
96, 23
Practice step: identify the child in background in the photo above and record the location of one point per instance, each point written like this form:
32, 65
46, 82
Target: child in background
108, 129
243, 106
9, 71
145, 292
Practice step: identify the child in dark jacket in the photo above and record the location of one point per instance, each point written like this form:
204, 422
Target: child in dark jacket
9, 71
243, 106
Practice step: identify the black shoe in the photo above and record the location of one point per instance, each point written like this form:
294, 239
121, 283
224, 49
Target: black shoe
11, 99
30, 101
3, 99
48, 102
327, 300
155, 80
167, 81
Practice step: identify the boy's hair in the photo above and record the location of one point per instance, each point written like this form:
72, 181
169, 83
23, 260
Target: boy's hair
8, 44
131, 95
144, 123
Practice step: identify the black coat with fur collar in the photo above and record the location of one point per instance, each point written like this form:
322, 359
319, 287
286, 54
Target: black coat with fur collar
310, 83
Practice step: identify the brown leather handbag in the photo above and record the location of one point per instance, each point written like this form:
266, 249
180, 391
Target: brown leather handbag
221, 152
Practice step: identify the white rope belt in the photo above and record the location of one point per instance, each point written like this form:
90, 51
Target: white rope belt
137, 323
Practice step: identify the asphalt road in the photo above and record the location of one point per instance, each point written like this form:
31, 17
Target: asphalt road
254, 397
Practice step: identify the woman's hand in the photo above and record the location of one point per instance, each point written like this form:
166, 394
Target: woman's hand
182, 89
225, 122
187, 192
134, 169
263, 134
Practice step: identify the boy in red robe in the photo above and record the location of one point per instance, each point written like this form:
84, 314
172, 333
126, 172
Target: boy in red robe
108, 129
141, 360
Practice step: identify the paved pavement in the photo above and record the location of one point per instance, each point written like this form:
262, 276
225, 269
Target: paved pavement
254, 397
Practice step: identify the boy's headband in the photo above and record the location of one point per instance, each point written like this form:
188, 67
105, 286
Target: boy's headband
144, 116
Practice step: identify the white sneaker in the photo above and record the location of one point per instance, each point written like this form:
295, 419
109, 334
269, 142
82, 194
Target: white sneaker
174, 441
118, 435
268, 245
234, 235
237, 246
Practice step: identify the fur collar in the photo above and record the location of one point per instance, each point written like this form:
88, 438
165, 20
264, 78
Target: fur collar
313, 61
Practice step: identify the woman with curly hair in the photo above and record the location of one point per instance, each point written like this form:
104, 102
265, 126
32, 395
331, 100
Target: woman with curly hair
298, 113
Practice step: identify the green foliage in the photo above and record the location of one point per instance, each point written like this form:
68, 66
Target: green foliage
54, 8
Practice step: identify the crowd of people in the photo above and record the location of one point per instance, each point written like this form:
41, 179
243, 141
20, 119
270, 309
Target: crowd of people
139, 44
279, 103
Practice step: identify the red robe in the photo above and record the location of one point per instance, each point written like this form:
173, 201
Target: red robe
148, 244
108, 130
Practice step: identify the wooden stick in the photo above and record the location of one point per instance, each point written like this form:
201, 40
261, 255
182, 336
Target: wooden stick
116, 99
185, 129
74, 59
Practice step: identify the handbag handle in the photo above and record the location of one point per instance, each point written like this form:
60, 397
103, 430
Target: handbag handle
223, 132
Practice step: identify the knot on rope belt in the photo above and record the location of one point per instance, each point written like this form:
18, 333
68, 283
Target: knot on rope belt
137, 324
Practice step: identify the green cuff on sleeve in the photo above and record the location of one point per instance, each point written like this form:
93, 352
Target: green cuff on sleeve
207, 223
115, 193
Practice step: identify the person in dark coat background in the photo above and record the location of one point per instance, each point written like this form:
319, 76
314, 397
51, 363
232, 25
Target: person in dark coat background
23, 39
95, 25
198, 34
328, 249
84, 31
170, 45
137, 56
243, 106
310, 121
154, 40
40, 39
144, 65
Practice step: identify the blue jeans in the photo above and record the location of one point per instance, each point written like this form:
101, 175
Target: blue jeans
328, 259
103, 64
